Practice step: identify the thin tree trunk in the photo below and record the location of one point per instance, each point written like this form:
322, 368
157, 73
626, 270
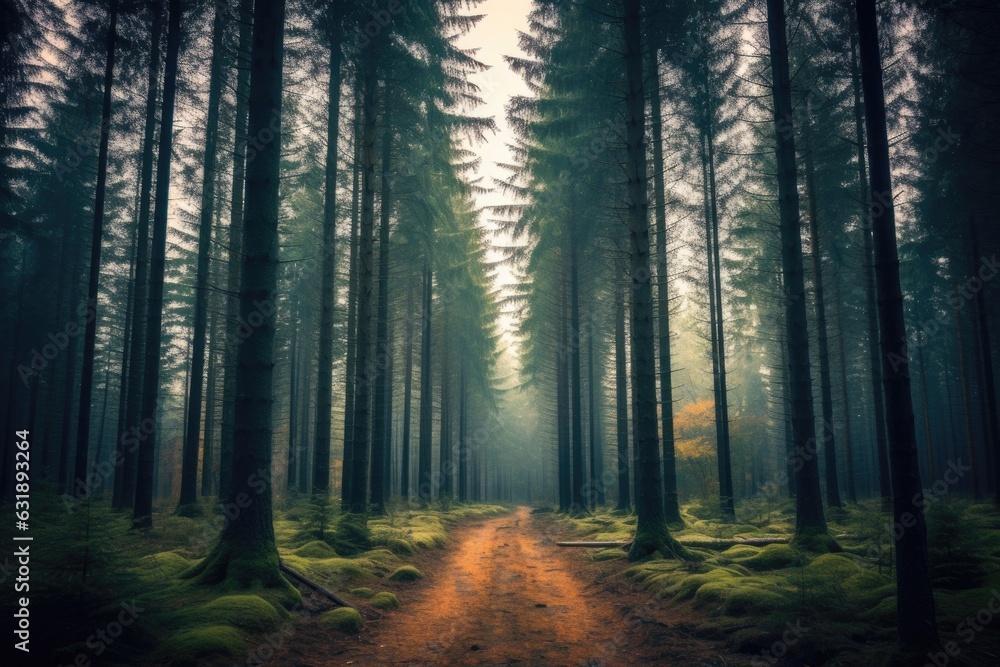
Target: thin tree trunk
424, 480
381, 431
123, 388
915, 599
366, 258
825, 379
621, 402
991, 419
352, 317
874, 359
852, 494
562, 405
81, 486
143, 507
208, 449
407, 397
293, 394
578, 501
324, 392
596, 455
671, 502
189, 464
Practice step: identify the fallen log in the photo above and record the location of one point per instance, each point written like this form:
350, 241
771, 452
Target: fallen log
313, 585
702, 544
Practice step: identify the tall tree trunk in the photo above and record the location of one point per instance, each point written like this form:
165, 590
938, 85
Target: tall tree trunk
852, 493
81, 486
809, 519
324, 392
562, 405
246, 555
621, 402
825, 379
123, 388
364, 367
651, 530
404, 489
424, 478
189, 465
445, 452
208, 473
235, 259
991, 418
463, 436
347, 469
596, 455
381, 431
293, 395
874, 360
578, 501
671, 502
720, 390
915, 599
143, 508
967, 407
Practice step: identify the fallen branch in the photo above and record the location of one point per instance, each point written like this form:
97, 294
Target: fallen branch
703, 544
313, 585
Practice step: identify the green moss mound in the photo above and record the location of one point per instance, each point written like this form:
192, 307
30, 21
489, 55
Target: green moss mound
351, 534
398, 546
316, 549
772, 557
362, 592
883, 614
247, 612
405, 573
345, 619
205, 644
384, 600
164, 565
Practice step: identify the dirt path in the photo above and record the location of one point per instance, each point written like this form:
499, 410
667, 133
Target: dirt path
502, 597
504, 594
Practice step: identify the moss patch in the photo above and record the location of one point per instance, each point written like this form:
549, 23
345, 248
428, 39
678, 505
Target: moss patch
398, 546
362, 592
201, 645
772, 557
316, 549
384, 600
345, 619
248, 612
405, 573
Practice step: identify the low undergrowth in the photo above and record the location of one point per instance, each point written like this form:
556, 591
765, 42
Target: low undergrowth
790, 605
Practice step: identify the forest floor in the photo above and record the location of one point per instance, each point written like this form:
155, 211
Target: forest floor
503, 593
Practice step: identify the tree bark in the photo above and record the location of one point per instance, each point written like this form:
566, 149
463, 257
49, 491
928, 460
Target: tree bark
825, 379
915, 599
189, 464
142, 510
809, 519
874, 359
621, 402
364, 367
651, 530
246, 556
235, 258
381, 429
324, 390
81, 486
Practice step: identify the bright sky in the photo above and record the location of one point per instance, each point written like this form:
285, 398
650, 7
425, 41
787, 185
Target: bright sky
495, 37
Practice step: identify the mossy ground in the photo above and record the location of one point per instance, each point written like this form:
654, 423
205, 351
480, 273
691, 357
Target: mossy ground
192, 622
840, 585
